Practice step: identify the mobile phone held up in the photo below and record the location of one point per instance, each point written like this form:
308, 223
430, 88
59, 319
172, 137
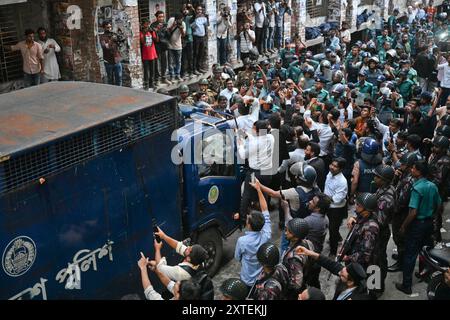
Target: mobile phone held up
155, 229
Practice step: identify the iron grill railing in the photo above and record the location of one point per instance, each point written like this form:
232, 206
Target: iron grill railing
18, 172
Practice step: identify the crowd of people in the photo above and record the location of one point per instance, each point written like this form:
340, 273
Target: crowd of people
363, 123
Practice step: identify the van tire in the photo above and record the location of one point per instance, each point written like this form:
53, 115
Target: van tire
211, 240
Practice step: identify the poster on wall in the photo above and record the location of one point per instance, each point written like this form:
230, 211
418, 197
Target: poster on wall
155, 6
302, 5
104, 14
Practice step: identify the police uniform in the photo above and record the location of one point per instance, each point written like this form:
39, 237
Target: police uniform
386, 205
366, 88
365, 176
322, 95
363, 247
271, 287
297, 266
216, 85
245, 77
211, 96
402, 194
405, 88
188, 101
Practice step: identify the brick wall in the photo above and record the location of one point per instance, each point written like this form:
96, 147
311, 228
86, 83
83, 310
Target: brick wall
134, 67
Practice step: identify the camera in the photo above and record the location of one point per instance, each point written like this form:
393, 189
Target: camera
254, 66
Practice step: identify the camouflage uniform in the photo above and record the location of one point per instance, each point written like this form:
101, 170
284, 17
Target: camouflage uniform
211, 96
271, 287
245, 77
216, 85
439, 175
402, 194
297, 266
363, 247
386, 205
188, 101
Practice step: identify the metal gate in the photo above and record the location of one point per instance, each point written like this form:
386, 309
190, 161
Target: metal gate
10, 61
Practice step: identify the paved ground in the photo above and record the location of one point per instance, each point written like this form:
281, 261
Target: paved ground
231, 267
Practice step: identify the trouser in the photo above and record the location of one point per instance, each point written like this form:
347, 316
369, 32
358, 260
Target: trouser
187, 59
250, 195
399, 239
265, 39
149, 72
223, 53
418, 235
335, 217
437, 225
259, 35
31, 79
383, 239
114, 72
199, 49
175, 62
312, 279
270, 39
278, 37
444, 95
162, 64
423, 83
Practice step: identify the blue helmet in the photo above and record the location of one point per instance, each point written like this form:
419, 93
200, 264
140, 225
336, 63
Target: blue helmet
381, 78
370, 151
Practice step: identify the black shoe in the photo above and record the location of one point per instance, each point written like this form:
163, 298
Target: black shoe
422, 276
395, 256
401, 288
395, 267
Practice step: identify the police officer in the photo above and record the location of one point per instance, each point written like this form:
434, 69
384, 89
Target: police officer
204, 87
363, 168
273, 280
322, 94
184, 96
386, 203
362, 244
245, 76
364, 87
216, 82
296, 231
233, 289
439, 163
403, 182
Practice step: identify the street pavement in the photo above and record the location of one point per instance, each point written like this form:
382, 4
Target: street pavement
231, 268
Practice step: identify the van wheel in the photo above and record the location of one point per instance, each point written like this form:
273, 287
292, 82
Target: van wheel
211, 240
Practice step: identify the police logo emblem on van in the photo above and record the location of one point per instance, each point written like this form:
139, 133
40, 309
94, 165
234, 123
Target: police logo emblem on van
213, 194
19, 256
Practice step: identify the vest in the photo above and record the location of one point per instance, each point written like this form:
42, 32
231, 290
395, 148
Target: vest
365, 176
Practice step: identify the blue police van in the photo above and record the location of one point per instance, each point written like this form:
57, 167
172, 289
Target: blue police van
84, 170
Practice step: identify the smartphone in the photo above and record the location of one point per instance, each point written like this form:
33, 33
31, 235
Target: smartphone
155, 229
253, 177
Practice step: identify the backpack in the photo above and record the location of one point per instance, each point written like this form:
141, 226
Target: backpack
201, 277
304, 198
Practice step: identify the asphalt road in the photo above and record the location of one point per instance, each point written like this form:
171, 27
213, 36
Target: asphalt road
231, 268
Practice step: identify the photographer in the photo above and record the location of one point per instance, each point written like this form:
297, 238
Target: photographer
177, 30
260, 17
223, 26
187, 56
111, 55
200, 32
247, 38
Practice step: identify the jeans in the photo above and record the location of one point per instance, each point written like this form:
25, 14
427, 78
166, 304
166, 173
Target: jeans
265, 38
175, 62
399, 239
278, 37
162, 64
223, 53
114, 72
31, 79
284, 243
43, 79
188, 59
199, 49
417, 236
270, 38
149, 72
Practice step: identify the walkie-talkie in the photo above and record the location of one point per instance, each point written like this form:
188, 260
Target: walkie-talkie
155, 229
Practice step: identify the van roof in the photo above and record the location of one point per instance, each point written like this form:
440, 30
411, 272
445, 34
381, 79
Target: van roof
36, 115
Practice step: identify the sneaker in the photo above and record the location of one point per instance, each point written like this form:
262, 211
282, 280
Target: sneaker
403, 289
178, 78
166, 81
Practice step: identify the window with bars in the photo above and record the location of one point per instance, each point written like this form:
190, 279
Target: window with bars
317, 8
144, 9
366, 3
20, 171
10, 61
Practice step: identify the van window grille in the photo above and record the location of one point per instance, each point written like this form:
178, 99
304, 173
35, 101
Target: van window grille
20, 171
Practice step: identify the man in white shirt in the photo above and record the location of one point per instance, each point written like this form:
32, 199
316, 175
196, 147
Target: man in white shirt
50, 47
336, 188
445, 81
229, 91
249, 114
258, 148
223, 26
200, 32
247, 38
260, 16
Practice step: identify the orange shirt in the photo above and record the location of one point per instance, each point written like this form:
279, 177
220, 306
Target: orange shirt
31, 56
